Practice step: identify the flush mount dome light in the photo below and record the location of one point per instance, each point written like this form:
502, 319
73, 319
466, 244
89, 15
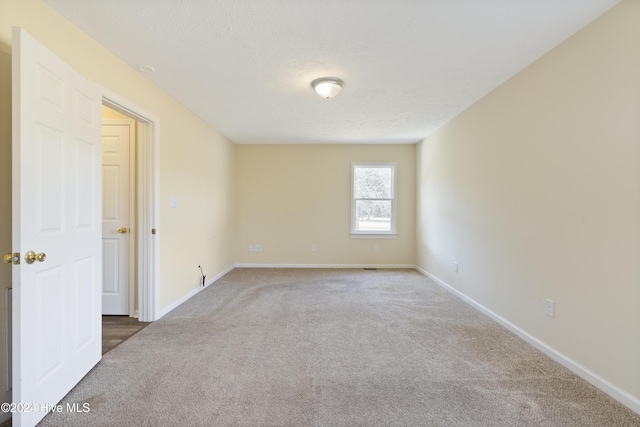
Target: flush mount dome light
327, 87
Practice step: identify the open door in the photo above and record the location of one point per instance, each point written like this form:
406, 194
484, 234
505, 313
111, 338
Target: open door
56, 227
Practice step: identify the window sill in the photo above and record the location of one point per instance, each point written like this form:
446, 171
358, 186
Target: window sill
374, 235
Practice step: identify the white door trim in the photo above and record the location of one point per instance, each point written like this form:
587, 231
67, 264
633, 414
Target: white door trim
147, 162
133, 226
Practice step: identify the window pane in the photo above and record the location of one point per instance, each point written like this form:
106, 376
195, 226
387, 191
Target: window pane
372, 183
373, 215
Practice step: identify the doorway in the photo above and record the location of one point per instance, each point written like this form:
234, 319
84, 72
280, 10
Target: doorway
145, 205
118, 214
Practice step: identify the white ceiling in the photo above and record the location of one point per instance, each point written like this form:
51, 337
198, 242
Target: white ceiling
409, 66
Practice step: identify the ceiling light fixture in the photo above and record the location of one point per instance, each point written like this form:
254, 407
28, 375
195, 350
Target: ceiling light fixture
327, 87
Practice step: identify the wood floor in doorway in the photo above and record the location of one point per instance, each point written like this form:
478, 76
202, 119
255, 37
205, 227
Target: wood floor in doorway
117, 329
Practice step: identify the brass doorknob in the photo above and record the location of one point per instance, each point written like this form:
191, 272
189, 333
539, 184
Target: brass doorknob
123, 230
32, 257
8, 258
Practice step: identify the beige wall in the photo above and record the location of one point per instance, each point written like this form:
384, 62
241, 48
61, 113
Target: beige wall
196, 162
535, 191
290, 197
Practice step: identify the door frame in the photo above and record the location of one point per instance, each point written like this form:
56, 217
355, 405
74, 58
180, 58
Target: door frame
147, 207
133, 256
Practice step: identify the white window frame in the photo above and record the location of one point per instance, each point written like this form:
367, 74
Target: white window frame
370, 234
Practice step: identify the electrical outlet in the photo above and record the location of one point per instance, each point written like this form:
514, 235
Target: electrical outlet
455, 267
250, 248
314, 248
376, 248
549, 308
258, 248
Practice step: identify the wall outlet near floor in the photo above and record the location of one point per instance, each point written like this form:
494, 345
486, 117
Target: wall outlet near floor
250, 248
314, 248
455, 266
258, 248
549, 308
376, 248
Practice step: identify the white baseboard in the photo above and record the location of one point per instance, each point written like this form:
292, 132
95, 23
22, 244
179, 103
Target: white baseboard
399, 266
176, 303
612, 390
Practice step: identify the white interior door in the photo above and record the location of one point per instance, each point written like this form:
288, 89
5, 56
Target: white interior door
56, 211
116, 232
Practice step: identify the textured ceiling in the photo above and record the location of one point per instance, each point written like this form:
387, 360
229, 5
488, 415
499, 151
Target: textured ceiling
409, 66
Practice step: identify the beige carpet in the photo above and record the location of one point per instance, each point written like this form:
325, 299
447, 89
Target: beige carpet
268, 347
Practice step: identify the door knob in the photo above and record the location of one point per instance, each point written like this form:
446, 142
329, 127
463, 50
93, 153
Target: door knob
32, 257
8, 258
122, 230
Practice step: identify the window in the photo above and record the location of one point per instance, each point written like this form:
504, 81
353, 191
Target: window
373, 199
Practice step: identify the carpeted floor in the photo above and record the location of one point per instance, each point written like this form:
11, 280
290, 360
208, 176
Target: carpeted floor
292, 347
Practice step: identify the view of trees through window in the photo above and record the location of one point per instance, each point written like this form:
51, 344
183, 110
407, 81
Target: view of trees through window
373, 194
